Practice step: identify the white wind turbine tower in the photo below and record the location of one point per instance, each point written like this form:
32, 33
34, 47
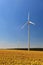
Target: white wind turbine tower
28, 23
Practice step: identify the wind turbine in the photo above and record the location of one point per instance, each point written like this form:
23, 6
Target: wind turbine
28, 23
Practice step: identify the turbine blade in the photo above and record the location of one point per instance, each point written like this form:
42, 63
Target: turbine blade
28, 16
31, 23
23, 25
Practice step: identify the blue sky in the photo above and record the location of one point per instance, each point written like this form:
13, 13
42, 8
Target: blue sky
13, 14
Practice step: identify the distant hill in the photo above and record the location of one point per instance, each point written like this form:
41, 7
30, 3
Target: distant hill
35, 49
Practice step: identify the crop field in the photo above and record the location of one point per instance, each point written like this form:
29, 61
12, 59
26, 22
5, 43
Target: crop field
21, 57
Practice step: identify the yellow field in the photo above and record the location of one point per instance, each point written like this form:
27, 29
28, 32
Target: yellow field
21, 57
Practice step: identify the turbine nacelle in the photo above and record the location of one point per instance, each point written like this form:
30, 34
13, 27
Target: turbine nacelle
29, 22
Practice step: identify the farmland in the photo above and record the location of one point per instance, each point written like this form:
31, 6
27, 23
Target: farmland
21, 57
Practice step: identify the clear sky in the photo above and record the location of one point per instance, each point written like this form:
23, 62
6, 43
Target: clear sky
13, 14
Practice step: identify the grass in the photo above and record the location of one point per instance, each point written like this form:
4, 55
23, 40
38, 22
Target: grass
21, 57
